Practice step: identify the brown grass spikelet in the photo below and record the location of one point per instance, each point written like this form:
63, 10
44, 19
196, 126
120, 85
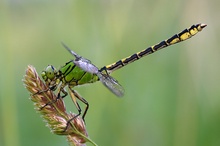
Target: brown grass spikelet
54, 114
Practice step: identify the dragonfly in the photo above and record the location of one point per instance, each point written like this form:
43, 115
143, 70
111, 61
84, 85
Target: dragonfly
81, 71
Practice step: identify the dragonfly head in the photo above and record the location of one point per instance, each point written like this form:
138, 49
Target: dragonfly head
49, 74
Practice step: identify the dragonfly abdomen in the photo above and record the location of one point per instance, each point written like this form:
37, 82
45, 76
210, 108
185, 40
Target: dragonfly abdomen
185, 34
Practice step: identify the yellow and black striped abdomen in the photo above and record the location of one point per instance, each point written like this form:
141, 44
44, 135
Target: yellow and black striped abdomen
185, 34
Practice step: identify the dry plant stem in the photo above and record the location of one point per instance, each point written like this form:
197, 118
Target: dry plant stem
55, 113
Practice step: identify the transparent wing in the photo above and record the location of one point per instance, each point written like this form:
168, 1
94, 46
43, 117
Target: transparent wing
111, 84
71, 52
106, 80
81, 62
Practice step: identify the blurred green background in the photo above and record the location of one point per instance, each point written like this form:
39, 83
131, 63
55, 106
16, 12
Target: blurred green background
172, 97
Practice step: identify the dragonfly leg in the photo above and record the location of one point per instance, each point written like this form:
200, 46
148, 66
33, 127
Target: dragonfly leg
53, 88
60, 89
74, 95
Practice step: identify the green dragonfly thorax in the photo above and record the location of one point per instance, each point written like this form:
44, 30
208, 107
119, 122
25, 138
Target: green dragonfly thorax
69, 74
74, 75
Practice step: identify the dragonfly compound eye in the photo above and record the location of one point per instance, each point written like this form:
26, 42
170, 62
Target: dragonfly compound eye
49, 73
